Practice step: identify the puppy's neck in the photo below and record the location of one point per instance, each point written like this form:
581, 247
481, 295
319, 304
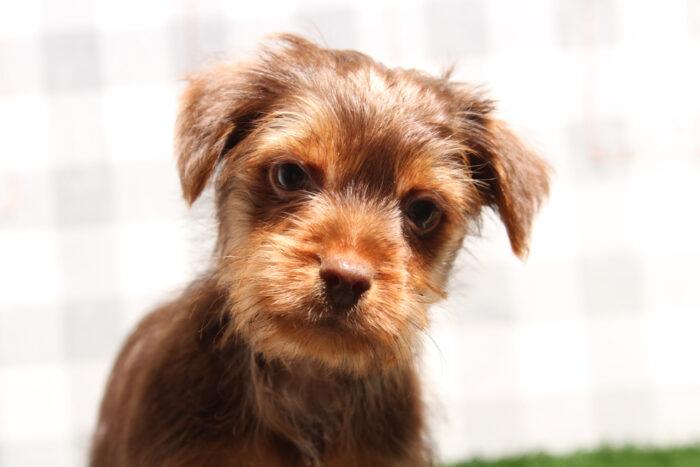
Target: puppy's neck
301, 401
304, 402
316, 407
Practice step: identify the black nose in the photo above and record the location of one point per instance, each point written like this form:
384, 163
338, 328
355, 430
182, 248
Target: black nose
346, 278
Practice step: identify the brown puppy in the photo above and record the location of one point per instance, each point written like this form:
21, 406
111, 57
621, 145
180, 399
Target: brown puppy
344, 190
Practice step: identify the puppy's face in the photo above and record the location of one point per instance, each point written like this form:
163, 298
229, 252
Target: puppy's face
344, 190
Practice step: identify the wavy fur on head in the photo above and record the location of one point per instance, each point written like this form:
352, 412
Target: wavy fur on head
260, 362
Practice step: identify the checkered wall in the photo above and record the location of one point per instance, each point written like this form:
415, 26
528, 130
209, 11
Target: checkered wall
595, 339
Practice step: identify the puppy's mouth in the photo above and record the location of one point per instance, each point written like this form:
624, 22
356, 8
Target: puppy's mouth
333, 325
324, 316
337, 319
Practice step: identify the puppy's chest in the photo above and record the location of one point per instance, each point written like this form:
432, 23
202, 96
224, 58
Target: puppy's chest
303, 421
257, 453
326, 416
303, 403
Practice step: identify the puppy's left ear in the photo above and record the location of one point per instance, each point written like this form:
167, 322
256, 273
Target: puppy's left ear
513, 180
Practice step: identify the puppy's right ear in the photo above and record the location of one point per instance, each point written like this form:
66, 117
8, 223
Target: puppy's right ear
222, 105
217, 110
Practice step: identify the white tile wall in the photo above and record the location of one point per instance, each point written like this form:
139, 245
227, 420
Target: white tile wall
593, 340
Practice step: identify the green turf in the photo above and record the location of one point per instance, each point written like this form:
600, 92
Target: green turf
604, 457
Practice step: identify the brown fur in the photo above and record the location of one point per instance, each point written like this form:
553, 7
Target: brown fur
252, 365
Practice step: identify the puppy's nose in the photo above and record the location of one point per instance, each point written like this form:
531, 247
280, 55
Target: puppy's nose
346, 278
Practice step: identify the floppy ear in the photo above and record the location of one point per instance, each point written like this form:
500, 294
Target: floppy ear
202, 128
222, 105
217, 110
512, 179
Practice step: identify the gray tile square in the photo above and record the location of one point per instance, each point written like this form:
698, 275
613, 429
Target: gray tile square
30, 335
66, 15
77, 129
332, 26
600, 148
92, 329
482, 292
83, 195
493, 427
677, 411
20, 66
71, 61
194, 44
455, 28
26, 199
587, 22
540, 290
619, 354
33, 452
694, 16
561, 421
87, 379
138, 56
87, 263
612, 283
148, 190
625, 416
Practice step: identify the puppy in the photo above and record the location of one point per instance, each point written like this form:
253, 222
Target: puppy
344, 190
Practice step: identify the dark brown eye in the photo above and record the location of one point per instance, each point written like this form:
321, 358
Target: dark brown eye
290, 177
424, 214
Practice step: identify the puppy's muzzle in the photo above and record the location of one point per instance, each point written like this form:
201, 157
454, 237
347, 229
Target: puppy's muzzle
346, 278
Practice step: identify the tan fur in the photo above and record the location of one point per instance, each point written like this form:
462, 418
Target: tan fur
253, 365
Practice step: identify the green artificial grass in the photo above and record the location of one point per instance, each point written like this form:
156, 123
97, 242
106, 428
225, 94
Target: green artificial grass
604, 457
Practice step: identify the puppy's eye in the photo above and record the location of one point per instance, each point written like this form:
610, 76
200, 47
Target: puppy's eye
424, 214
290, 177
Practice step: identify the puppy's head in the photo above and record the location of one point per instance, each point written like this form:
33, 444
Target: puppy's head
344, 190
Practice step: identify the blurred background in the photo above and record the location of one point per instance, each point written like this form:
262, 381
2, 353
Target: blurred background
596, 339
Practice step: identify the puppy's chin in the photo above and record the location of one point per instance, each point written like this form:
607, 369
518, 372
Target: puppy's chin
332, 345
366, 336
